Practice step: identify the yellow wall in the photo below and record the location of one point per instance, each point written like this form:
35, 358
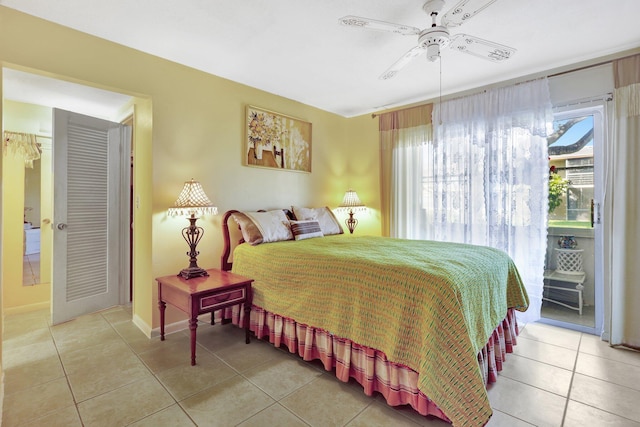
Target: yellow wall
189, 124
1, 255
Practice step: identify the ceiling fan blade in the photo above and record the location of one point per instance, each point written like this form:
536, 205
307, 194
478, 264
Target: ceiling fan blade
481, 48
400, 63
372, 24
463, 11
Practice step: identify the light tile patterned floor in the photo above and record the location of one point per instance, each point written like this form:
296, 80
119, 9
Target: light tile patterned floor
557, 312
31, 269
100, 370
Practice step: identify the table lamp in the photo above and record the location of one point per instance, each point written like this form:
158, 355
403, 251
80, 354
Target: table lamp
351, 202
193, 202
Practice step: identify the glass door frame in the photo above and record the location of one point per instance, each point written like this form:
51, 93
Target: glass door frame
596, 108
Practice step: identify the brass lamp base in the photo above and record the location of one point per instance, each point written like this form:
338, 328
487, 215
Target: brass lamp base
192, 235
351, 222
190, 272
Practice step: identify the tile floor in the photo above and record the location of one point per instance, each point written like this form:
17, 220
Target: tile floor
31, 269
100, 370
557, 312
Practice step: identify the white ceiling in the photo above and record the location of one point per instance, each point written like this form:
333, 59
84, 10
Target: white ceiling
297, 49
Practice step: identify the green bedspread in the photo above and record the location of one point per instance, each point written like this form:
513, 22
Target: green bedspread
428, 305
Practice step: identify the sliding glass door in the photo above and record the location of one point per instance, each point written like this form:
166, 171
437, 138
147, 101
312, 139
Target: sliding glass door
573, 285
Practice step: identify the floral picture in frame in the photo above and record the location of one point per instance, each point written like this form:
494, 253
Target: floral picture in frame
274, 140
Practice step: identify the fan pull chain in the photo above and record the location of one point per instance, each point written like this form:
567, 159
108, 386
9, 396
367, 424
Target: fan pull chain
440, 99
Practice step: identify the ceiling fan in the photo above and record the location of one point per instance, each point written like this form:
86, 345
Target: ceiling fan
432, 39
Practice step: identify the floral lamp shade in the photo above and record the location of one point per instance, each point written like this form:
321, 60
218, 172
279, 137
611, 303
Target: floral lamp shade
193, 201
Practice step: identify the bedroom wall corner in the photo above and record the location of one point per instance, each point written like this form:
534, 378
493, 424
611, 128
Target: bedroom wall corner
142, 274
363, 174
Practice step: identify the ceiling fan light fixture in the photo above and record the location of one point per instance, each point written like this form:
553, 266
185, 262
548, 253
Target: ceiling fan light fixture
433, 39
433, 52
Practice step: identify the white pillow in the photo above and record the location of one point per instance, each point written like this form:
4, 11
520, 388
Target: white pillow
328, 222
263, 227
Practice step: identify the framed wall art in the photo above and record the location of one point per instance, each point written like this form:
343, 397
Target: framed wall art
274, 140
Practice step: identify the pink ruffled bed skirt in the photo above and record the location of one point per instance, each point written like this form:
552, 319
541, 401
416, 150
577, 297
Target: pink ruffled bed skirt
368, 366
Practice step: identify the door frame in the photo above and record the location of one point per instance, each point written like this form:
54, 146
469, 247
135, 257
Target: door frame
597, 108
141, 107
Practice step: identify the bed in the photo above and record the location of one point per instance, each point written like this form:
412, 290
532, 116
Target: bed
426, 324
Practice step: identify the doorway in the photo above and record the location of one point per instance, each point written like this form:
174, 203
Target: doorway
573, 281
23, 92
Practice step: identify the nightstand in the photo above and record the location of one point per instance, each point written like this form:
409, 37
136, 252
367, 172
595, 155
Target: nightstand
204, 294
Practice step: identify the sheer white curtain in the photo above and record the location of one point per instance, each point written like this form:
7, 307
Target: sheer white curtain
406, 198
622, 206
485, 177
403, 136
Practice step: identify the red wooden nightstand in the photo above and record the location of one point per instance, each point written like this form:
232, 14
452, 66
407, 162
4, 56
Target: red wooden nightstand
201, 295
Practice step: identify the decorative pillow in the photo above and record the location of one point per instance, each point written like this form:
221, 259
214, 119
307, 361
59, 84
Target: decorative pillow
263, 227
328, 222
305, 229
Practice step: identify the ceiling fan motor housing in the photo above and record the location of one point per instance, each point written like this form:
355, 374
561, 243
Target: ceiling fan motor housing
433, 39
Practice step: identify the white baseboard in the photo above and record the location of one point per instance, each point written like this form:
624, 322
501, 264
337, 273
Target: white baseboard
141, 324
26, 308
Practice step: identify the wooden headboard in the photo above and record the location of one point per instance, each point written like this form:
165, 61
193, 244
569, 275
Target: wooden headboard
225, 264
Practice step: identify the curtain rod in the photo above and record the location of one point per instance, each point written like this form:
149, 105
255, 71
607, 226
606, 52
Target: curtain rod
560, 73
586, 67
605, 97
36, 135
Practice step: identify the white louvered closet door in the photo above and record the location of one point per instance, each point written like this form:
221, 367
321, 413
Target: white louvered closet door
87, 208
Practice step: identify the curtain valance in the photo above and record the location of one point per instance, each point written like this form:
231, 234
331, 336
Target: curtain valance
626, 71
406, 118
